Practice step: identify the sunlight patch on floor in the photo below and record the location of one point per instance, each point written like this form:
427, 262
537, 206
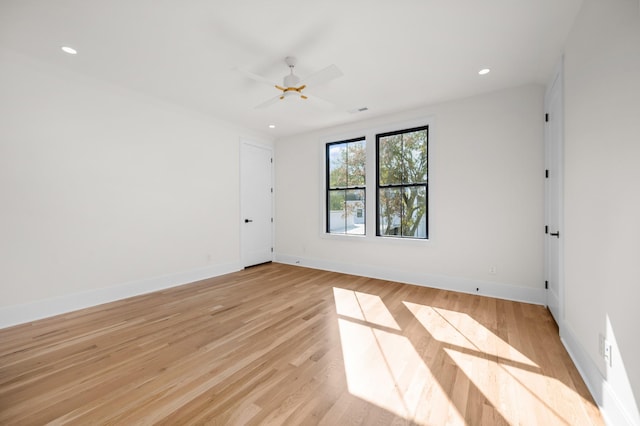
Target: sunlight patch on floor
497, 369
382, 366
496, 381
459, 329
365, 307
384, 369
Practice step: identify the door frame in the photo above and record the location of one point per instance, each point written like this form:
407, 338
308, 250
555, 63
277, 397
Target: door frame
242, 209
556, 83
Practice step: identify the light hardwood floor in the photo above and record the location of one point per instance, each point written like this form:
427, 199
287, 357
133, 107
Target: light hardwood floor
278, 344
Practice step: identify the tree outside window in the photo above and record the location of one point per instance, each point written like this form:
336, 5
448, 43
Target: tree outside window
402, 186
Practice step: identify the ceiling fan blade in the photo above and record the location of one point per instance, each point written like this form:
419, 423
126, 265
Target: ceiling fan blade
255, 77
268, 102
320, 102
322, 76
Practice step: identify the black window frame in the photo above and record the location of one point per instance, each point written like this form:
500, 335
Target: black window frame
329, 189
403, 185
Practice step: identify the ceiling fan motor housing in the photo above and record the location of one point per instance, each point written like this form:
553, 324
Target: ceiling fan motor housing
291, 80
291, 61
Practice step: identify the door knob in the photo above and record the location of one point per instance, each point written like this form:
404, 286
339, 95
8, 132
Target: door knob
555, 234
248, 220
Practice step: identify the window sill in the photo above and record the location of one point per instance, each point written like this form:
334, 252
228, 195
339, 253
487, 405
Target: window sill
374, 239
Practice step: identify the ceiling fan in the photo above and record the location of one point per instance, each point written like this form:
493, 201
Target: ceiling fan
292, 84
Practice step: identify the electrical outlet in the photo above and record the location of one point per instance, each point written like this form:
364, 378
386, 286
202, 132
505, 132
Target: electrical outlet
605, 350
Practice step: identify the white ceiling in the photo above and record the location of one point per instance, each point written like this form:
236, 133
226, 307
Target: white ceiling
395, 55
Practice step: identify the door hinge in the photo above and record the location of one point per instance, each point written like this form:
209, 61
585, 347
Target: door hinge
546, 173
271, 220
546, 118
546, 284
546, 229
271, 249
272, 190
271, 160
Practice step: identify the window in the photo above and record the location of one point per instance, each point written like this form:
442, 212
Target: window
346, 187
402, 185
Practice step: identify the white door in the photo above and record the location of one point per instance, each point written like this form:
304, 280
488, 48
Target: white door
256, 200
554, 234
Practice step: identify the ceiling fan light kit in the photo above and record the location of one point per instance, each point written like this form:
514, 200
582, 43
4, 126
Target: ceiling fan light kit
292, 85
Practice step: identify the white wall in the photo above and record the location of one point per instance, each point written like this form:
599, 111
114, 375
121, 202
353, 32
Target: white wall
602, 189
486, 199
104, 188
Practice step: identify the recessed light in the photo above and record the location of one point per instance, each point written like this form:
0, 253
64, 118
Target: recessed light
69, 50
484, 71
272, 126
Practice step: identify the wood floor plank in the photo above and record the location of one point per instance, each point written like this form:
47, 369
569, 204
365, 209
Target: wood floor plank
279, 344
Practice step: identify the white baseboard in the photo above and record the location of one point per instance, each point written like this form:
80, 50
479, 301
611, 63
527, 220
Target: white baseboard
484, 288
613, 411
19, 314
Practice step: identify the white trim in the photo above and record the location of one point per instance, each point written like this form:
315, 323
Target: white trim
485, 288
369, 134
19, 314
612, 410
